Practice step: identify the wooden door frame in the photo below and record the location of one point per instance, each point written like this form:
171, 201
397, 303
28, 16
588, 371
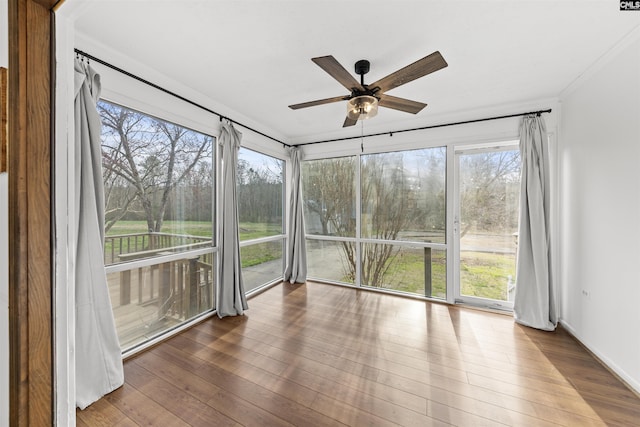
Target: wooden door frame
30, 237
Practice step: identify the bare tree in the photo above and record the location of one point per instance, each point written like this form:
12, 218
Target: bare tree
196, 195
487, 179
144, 160
384, 191
426, 202
329, 188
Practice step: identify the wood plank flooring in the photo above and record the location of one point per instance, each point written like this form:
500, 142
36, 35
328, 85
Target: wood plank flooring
323, 355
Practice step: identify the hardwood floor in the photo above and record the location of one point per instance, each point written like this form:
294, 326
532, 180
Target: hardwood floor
315, 355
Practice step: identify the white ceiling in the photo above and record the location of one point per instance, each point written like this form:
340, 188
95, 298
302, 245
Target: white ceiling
253, 57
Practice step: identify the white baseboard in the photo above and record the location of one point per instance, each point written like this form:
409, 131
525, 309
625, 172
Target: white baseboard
629, 381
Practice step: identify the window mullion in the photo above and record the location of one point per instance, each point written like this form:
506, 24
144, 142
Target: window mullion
358, 251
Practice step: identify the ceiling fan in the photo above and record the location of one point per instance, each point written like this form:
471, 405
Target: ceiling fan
364, 99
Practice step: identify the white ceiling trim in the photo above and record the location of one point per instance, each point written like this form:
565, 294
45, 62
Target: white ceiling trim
632, 37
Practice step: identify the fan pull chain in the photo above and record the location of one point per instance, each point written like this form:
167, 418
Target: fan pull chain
362, 136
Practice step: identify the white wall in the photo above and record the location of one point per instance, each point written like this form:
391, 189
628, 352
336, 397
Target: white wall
4, 250
600, 210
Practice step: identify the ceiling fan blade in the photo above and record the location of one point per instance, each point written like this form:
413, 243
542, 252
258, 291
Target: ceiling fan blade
337, 71
401, 104
349, 122
420, 68
319, 102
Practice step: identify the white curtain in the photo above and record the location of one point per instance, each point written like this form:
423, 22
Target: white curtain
230, 298
296, 271
534, 303
98, 356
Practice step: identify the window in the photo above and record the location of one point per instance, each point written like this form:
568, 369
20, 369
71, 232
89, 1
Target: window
329, 194
403, 199
159, 181
329, 187
403, 195
260, 207
394, 238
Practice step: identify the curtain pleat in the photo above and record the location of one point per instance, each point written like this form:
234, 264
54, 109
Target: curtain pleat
296, 271
98, 356
230, 297
534, 303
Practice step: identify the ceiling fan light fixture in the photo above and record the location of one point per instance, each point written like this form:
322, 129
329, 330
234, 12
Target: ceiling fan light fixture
362, 107
363, 99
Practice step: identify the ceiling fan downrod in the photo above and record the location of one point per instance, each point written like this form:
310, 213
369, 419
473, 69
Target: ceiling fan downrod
362, 67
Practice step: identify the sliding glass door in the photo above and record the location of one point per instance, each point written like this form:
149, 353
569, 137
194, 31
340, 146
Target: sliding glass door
487, 192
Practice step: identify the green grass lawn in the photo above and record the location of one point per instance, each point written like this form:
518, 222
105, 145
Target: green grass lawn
251, 255
255, 230
260, 253
406, 272
486, 275
482, 274
248, 230
193, 228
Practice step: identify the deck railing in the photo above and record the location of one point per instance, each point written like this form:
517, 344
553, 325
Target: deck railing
177, 289
126, 247
180, 289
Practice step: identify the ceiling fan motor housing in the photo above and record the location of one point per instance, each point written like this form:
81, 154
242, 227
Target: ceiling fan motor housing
362, 67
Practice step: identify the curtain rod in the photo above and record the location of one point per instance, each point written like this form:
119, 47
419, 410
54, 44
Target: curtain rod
180, 97
195, 104
390, 133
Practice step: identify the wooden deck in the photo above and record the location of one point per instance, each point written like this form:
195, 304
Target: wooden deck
315, 354
149, 300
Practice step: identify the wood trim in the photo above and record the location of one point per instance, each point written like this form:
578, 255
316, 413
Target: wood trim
4, 92
31, 359
49, 4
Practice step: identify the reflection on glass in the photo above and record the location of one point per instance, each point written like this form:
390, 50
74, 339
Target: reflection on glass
159, 179
333, 261
260, 190
261, 263
150, 300
403, 195
414, 270
329, 196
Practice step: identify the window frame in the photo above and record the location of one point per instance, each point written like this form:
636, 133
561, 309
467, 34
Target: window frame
156, 260
358, 240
